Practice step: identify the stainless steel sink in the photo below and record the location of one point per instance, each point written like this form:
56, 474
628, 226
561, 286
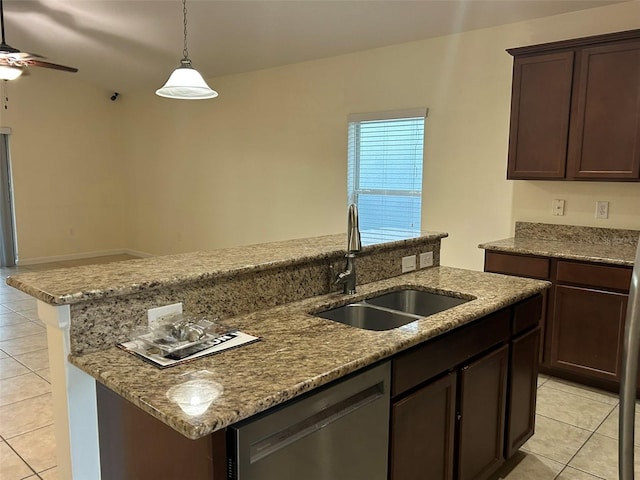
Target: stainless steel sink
368, 317
391, 310
417, 302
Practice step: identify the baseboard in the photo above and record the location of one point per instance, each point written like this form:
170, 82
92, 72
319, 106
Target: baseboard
78, 256
137, 253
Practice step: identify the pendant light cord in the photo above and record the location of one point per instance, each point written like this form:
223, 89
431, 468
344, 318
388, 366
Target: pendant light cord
185, 51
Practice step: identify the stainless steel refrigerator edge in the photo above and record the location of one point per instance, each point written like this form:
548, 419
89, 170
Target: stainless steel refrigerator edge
628, 383
338, 433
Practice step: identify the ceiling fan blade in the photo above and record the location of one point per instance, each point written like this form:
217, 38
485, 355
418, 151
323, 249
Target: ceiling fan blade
28, 55
55, 66
15, 58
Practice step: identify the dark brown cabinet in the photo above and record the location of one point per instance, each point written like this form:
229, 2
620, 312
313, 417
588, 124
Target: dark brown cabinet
422, 432
521, 400
585, 315
540, 106
587, 331
575, 109
464, 402
483, 394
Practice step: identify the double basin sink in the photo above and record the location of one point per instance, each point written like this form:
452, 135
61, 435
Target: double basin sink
391, 310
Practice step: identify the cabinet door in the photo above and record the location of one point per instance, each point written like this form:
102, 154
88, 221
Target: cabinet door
422, 432
540, 107
523, 379
605, 131
587, 331
483, 388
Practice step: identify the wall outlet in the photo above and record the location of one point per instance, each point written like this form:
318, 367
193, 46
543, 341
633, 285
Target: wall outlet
426, 259
557, 208
408, 264
154, 315
602, 209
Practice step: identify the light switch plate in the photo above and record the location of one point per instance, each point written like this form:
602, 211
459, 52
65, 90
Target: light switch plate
408, 264
426, 259
155, 314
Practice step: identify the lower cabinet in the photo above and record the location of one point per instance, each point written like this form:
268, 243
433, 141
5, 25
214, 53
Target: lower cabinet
521, 402
422, 432
463, 422
585, 315
588, 328
483, 395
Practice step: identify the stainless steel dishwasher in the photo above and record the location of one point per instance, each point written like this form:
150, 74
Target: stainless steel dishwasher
339, 432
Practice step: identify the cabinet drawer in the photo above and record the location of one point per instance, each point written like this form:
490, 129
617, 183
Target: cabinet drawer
534, 267
592, 275
526, 314
424, 362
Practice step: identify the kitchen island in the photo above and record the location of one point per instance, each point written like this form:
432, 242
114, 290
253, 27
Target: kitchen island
273, 298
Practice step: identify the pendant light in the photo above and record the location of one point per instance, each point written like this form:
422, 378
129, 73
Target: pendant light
186, 83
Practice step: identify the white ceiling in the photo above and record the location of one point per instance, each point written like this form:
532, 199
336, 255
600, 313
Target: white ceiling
125, 45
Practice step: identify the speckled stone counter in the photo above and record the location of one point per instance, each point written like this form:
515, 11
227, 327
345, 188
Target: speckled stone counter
589, 244
298, 351
92, 282
108, 301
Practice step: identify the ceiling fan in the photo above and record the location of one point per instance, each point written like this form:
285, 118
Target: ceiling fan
13, 61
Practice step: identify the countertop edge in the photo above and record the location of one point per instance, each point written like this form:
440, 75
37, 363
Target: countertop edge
554, 253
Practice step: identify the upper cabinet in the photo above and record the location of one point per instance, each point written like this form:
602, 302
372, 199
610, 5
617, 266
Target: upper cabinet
575, 110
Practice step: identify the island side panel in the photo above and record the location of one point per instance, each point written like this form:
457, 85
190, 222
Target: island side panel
134, 445
74, 404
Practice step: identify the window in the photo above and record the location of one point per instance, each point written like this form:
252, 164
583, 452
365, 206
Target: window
385, 172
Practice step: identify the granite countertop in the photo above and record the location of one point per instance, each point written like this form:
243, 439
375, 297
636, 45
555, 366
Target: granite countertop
298, 352
589, 244
587, 252
59, 287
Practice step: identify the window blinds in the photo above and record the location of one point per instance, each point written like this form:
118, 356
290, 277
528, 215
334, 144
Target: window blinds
385, 154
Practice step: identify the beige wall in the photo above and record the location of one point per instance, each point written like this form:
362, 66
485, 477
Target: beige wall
267, 159
67, 167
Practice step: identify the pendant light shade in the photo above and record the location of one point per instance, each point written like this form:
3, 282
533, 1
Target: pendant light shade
186, 83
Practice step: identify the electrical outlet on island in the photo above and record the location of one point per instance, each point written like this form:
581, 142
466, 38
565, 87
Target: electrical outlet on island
408, 263
426, 259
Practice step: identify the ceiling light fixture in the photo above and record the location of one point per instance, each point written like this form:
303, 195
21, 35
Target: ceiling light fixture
9, 72
186, 83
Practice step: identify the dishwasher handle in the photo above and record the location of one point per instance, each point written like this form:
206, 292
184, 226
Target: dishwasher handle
315, 422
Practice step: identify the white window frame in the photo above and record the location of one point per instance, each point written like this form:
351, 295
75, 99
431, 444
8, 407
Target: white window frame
353, 174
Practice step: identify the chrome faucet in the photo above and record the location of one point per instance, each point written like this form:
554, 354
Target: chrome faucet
347, 278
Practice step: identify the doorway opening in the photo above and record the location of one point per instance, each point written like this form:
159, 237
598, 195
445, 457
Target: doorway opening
8, 249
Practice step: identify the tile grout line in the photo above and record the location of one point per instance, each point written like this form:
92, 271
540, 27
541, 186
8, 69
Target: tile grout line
20, 457
577, 394
592, 432
585, 442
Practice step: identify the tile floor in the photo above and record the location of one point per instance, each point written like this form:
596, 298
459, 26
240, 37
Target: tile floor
576, 436
27, 443
576, 426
